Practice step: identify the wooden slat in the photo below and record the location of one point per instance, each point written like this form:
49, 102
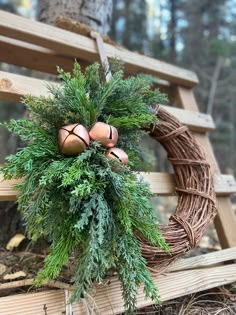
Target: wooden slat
185, 96
46, 302
14, 86
161, 184
196, 122
164, 183
7, 191
34, 57
203, 261
170, 286
75, 45
108, 298
13, 51
224, 185
225, 221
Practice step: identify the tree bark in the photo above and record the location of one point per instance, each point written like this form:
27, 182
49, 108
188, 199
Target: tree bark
94, 13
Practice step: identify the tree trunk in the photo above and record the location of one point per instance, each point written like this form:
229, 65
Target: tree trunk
173, 30
94, 13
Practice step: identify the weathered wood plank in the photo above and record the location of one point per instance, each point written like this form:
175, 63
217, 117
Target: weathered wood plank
164, 183
196, 122
170, 286
108, 298
75, 45
14, 86
161, 184
203, 261
224, 185
7, 191
185, 96
53, 302
225, 221
13, 51
34, 57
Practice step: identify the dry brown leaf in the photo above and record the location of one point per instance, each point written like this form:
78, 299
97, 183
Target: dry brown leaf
3, 268
15, 241
15, 275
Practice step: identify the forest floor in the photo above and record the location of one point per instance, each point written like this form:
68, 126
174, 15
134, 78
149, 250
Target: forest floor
217, 301
24, 261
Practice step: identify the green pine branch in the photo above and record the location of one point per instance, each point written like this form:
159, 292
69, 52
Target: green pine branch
86, 204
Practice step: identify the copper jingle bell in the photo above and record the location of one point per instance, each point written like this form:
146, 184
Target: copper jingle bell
73, 139
118, 154
105, 134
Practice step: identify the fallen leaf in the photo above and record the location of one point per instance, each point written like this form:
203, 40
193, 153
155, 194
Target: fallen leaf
3, 268
15, 241
15, 275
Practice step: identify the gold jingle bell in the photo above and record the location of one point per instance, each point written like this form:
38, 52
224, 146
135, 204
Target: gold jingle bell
73, 139
105, 134
118, 154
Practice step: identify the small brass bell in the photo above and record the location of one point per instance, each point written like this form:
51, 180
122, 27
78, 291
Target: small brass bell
73, 139
118, 154
105, 134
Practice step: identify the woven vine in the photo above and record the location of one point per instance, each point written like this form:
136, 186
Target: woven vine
194, 186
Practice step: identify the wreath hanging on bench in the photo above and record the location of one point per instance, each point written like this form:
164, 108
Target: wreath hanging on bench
79, 192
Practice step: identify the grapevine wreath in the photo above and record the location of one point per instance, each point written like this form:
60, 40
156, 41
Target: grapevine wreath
79, 188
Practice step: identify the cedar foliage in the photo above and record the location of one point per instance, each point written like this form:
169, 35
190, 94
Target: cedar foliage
86, 204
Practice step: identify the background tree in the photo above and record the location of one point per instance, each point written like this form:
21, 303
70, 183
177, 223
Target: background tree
131, 16
210, 53
199, 35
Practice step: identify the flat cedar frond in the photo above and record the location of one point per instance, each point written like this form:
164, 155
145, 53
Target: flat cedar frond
86, 204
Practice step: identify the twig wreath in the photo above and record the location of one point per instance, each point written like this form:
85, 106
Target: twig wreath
79, 188
196, 206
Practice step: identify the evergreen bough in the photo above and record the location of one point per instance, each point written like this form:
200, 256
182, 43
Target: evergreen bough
84, 204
